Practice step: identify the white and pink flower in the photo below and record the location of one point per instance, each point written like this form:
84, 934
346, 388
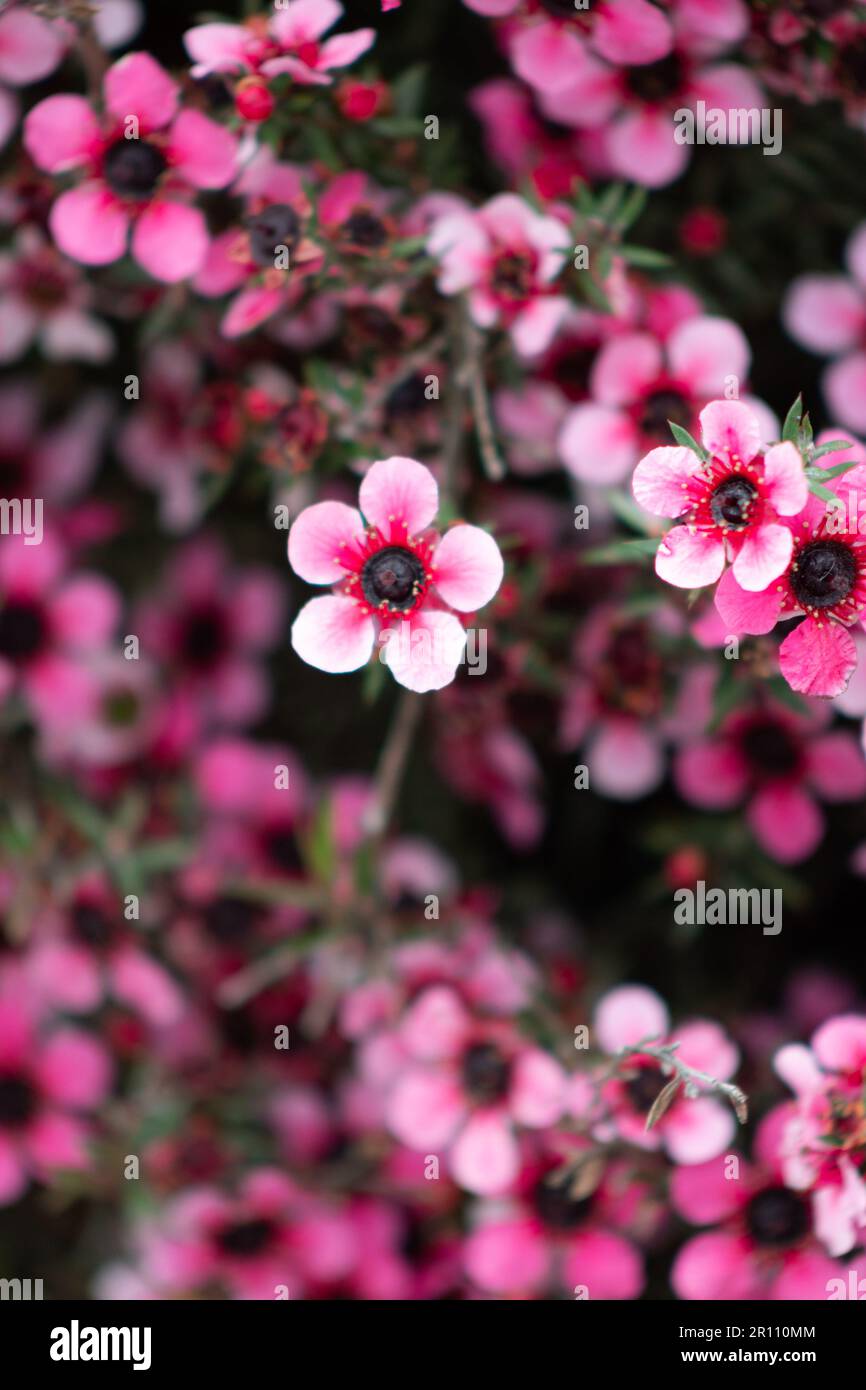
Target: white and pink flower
397, 581
504, 257
729, 501
290, 41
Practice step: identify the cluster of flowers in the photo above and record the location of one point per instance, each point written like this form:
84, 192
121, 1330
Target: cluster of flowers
336, 1068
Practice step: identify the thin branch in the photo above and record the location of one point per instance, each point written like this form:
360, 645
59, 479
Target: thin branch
471, 376
392, 764
692, 1080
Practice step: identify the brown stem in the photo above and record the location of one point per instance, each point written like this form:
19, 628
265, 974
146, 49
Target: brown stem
392, 764
472, 376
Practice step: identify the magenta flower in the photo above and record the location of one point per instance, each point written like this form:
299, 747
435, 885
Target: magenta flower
30, 49
729, 502
547, 1236
460, 1085
691, 1130
623, 84
290, 41
84, 952
49, 623
827, 314
825, 579
135, 188
504, 256
638, 383
822, 1145
763, 1246
396, 581
778, 761
48, 1082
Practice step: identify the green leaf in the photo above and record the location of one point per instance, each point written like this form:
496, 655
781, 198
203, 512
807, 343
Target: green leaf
408, 89
683, 437
632, 208
833, 447
644, 257
820, 491
621, 552
629, 512
791, 427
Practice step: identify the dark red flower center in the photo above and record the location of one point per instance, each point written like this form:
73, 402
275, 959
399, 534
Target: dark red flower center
394, 577
246, 1239
513, 275
485, 1072
91, 924
661, 406
203, 637
365, 229
17, 1101
274, 227
731, 503
777, 1216
555, 1204
133, 168
407, 397
229, 921
22, 629
770, 748
652, 82
825, 573
280, 844
644, 1087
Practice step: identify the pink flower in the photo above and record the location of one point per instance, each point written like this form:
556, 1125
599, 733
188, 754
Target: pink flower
30, 49
131, 182
85, 951
778, 760
762, 1246
49, 622
460, 1086
638, 384
827, 314
548, 1235
290, 41
44, 298
822, 1148
625, 93
692, 1130
729, 502
826, 580
212, 625
505, 256
49, 1079
266, 1237
396, 579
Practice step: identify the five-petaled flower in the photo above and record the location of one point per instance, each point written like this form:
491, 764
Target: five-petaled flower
141, 159
396, 580
730, 502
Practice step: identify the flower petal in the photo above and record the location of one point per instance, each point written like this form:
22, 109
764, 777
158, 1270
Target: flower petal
818, 658
399, 493
137, 85
61, 132
689, 559
468, 567
744, 610
332, 634
661, 478
785, 479
318, 536
203, 152
170, 241
763, 556
90, 225
424, 654
598, 444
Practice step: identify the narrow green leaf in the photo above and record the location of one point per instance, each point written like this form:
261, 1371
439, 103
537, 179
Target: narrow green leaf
791, 427
683, 437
